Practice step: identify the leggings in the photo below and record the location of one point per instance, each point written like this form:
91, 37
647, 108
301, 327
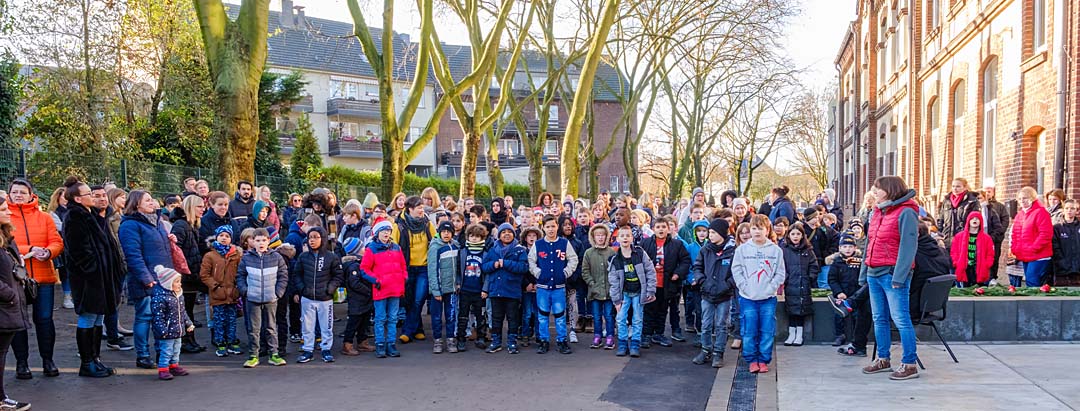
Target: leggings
5, 342
796, 320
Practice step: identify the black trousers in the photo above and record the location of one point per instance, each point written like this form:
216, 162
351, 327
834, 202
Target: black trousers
858, 325
288, 320
796, 320
656, 311
469, 303
356, 328
508, 309
5, 342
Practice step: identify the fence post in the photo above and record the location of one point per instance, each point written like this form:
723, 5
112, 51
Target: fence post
22, 163
123, 173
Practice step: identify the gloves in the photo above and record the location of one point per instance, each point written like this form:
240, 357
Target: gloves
377, 285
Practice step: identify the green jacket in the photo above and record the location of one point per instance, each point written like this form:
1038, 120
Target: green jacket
594, 267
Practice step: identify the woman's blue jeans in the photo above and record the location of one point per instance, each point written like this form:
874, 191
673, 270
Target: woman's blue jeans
892, 303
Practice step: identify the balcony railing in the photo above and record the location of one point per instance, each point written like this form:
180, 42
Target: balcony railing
305, 105
453, 160
288, 142
532, 127
352, 107
347, 147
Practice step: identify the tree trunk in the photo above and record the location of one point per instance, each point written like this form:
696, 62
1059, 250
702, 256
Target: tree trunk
393, 172
494, 172
468, 162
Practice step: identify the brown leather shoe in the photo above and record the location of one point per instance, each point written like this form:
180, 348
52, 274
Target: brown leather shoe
879, 365
347, 349
905, 372
365, 346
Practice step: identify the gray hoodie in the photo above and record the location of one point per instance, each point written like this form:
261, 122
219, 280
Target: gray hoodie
758, 270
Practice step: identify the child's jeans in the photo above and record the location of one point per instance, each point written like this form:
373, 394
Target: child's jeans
633, 303
440, 310
551, 302
386, 320
528, 320
692, 306
224, 324
264, 317
603, 318
468, 303
758, 329
354, 328
714, 321
323, 312
168, 352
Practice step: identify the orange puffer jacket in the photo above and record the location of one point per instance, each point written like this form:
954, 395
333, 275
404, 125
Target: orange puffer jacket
35, 228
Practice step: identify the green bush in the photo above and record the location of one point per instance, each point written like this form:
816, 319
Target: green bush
413, 184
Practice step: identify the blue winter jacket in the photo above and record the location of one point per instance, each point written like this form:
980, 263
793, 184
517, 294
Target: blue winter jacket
694, 248
782, 207
145, 246
506, 280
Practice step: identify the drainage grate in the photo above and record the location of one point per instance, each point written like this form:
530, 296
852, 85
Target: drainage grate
743, 388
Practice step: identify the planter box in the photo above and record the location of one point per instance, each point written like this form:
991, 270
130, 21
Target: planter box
970, 319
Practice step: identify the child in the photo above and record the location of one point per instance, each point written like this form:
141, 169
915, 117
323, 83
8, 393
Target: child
856, 227
505, 265
262, 278
758, 270
218, 272
443, 266
844, 283
972, 253
383, 265
359, 297
802, 273
1067, 241
529, 320
672, 265
566, 230
742, 236
170, 322
552, 260
594, 271
631, 285
470, 281
316, 275
712, 273
691, 293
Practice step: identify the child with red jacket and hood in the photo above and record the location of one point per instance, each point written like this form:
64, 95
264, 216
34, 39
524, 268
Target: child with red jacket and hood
972, 252
383, 266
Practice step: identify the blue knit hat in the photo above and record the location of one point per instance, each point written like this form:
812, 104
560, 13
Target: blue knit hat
351, 245
847, 238
380, 226
224, 229
257, 208
504, 227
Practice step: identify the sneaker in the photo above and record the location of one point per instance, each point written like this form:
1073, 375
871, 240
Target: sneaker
404, 339
702, 357
879, 365
221, 352
573, 336
622, 351
609, 344
234, 349
142, 362
295, 338
119, 345
595, 342
718, 360
763, 368
164, 374
677, 336
461, 346
662, 340
542, 347
524, 341
564, 347
755, 367
11, 405
251, 362
419, 336
68, 303
276, 360
438, 347
380, 350
840, 340
451, 345
305, 356
512, 347
993, 282
494, 348
645, 341
124, 331
391, 350
327, 356
905, 372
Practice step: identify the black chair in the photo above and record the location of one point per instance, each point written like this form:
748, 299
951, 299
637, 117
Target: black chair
933, 304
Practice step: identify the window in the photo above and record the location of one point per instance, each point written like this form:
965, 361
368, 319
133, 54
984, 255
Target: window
538, 80
959, 106
344, 89
509, 147
895, 37
469, 107
457, 146
1040, 162
933, 15
414, 134
344, 131
989, 117
553, 114
551, 148
614, 186
882, 31
933, 117
405, 97
1038, 23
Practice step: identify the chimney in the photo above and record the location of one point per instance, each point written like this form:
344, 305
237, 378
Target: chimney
286, 17
299, 22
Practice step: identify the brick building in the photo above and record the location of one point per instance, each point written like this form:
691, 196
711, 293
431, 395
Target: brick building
935, 89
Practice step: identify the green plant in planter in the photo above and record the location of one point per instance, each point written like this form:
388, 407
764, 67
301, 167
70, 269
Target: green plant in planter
995, 291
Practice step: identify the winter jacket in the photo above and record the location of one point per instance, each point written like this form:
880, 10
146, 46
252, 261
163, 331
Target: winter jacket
676, 262
14, 314
210, 223
844, 273
296, 237
359, 292
1067, 247
240, 210
94, 264
1033, 234
317, 275
187, 238
712, 271
219, 275
802, 273
272, 218
145, 246
505, 281
552, 262
36, 228
594, 268
782, 207
893, 235
825, 241
383, 265
984, 252
170, 320
444, 263
643, 266
579, 251
262, 278
758, 270
693, 247
414, 245
950, 219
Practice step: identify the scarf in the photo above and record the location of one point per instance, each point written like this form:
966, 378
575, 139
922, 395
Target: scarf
222, 249
474, 247
956, 199
152, 218
415, 225
501, 249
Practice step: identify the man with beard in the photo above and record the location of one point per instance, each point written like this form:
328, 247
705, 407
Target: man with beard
240, 207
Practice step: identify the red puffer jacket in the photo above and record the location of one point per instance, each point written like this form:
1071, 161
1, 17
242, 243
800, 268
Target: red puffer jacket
984, 251
384, 264
1033, 234
35, 228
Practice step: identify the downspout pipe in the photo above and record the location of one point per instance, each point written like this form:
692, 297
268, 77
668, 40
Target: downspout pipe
1062, 64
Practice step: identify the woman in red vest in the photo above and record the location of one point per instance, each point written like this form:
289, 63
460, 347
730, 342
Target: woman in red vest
1032, 237
893, 235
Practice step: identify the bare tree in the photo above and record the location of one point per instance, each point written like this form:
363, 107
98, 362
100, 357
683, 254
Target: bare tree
808, 137
755, 133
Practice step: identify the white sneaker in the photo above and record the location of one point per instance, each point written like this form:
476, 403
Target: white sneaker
68, 303
993, 282
573, 337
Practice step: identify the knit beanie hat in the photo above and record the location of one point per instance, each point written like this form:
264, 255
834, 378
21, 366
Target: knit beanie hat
446, 226
721, 226
738, 201
351, 245
257, 208
855, 222
809, 213
380, 226
275, 237
224, 229
848, 238
504, 227
166, 276
370, 201
696, 191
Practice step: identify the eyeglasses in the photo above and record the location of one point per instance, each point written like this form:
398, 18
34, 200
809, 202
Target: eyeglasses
83, 194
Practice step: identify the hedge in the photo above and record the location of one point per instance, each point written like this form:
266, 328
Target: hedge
413, 184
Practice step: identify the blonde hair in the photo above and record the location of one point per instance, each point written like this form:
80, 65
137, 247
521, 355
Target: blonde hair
1029, 192
189, 204
642, 216
54, 199
431, 194
245, 235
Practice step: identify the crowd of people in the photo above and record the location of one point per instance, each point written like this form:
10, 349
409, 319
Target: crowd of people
493, 275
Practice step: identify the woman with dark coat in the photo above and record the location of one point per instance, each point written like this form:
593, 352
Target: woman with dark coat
802, 273
94, 271
781, 205
187, 219
14, 315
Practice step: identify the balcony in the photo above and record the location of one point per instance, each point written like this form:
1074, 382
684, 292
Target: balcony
352, 107
350, 147
532, 127
453, 161
287, 141
305, 105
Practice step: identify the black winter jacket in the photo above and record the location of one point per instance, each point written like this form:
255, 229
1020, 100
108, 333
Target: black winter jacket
676, 261
1067, 247
951, 219
359, 291
94, 264
826, 241
194, 250
316, 275
712, 270
844, 273
802, 273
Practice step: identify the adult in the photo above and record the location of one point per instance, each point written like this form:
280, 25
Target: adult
431, 201
14, 317
1004, 218
741, 209
1067, 242
117, 200
95, 269
187, 220
57, 209
398, 203
1054, 200
189, 187
292, 210
868, 203
766, 207
242, 203
781, 205
727, 199
37, 237
413, 232
202, 189
500, 213
1032, 237
272, 218
146, 245
697, 196
828, 200
113, 331
546, 201
645, 203
508, 201
890, 255
955, 210
218, 202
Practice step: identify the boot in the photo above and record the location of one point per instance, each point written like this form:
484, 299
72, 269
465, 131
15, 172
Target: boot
542, 347
635, 348
717, 359
798, 337
97, 350
380, 350
49, 368
391, 350
365, 346
621, 351
702, 357
496, 344
511, 344
188, 345
644, 343
88, 368
348, 349
438, 348
22, 370
790, 336
451, 345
